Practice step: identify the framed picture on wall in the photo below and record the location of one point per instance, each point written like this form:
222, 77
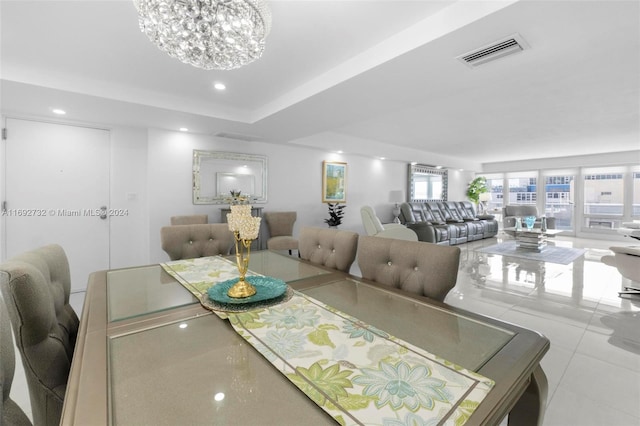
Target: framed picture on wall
334, 182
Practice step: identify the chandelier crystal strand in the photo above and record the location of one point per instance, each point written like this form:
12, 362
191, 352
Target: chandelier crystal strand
208, 34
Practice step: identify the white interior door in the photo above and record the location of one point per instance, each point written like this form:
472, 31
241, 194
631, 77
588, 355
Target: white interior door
57, 182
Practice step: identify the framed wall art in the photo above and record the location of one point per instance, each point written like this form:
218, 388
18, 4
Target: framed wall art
334, 182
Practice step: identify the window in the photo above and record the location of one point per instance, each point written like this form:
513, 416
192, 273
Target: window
558, 190
603, 197
522, 188
495, 184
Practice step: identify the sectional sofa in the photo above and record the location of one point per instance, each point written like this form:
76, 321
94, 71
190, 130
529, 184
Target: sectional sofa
447, 222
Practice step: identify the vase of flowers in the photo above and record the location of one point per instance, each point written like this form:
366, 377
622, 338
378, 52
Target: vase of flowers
236, 197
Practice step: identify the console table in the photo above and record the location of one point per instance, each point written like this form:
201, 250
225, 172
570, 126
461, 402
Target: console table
260, 242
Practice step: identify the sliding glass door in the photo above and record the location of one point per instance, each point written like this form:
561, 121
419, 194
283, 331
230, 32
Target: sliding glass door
559, 198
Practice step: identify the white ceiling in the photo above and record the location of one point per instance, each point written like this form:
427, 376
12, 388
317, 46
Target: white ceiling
374, 77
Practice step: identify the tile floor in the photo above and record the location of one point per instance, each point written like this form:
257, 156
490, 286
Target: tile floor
593, 366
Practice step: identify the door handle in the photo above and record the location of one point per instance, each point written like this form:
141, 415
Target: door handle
103, 212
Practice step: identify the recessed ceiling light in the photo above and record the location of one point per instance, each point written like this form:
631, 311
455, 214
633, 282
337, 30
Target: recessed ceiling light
339, 152
219, 86
383, 158
58, 111
184, 129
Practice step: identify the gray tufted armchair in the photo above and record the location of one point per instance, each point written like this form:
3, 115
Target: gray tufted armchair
329, 247
417, 267
35, 287
201, 240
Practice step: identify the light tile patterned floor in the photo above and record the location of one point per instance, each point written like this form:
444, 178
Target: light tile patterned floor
593, 366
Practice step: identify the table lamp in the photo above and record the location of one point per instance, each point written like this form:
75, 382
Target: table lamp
396, 196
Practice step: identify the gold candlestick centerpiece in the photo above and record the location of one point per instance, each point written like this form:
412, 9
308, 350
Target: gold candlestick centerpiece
245, 228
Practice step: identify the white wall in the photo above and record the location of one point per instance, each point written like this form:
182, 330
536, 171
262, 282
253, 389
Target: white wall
151, 177
294, 182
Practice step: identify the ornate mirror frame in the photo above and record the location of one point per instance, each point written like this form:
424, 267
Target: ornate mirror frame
427, 183
216, 173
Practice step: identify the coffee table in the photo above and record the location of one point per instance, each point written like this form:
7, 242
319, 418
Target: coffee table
533, 239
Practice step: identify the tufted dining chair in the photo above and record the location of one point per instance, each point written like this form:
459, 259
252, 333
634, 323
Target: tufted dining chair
194, 219
201, 240
35, 287
417, 267
10, 412
280, 226
329, 247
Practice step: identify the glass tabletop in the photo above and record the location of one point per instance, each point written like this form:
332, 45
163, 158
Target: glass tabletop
205, 373
287, 268
133, 292
139, 291
461, 340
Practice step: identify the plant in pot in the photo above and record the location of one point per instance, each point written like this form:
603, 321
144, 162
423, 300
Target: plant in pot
476, 187
336, 213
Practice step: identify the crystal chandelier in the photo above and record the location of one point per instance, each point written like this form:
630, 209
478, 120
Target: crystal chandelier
209, 34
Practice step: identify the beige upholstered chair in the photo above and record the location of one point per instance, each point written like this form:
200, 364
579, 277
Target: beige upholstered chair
329, 247
374, 227
36, 287
422, 268
201, 240
280, 226
195, 219
10, 412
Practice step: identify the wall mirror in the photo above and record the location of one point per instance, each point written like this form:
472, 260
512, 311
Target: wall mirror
427, 183
216, 174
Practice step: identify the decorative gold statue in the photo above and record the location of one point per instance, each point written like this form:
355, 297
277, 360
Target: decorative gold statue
245, 229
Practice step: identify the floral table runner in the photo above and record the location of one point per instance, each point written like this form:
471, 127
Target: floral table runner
355, 372
197, 275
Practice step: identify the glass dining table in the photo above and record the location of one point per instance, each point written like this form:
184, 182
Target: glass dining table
148, 352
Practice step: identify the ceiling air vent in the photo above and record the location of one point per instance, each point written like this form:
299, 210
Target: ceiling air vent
499, 49
238, 137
